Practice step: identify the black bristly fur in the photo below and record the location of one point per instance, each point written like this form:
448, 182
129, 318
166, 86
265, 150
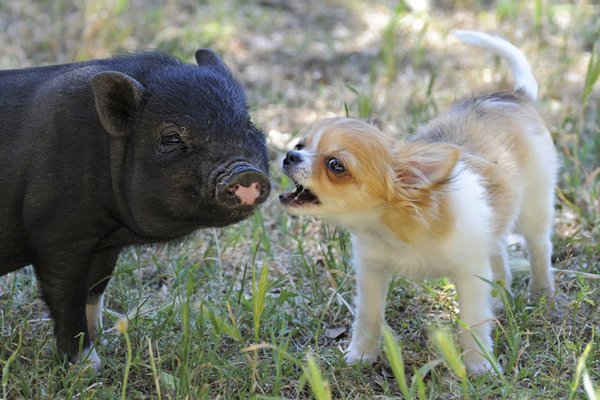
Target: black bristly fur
85, 171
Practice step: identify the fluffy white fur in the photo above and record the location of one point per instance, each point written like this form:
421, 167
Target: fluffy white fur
517, 61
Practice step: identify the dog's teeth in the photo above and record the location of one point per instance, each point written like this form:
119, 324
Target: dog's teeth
300, 196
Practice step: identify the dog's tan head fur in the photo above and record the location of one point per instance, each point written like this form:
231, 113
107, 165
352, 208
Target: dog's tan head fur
353, 169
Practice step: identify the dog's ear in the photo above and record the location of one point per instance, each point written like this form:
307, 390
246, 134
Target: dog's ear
423, 166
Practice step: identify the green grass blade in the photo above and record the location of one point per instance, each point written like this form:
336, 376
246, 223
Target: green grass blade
593, 72
444, 344
154, 370
6, 368
319, 386
259, 292
220, 324
590, 390
486, 352
394, 355
580, 370
121, 327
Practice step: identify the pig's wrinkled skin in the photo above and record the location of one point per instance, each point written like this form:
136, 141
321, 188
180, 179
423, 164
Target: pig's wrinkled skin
100, 155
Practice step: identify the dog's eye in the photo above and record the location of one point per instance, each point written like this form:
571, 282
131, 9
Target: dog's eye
336, 166
299, 146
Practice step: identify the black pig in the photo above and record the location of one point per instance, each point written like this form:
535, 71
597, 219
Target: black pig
99, 155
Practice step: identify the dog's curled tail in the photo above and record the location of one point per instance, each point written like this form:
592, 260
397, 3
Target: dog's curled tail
524, 79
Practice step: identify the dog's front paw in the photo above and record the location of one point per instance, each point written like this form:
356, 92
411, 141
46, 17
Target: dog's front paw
353, 357
477, 364
364, 354
479, 368
536, 292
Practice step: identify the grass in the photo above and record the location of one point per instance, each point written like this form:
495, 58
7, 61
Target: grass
263, 309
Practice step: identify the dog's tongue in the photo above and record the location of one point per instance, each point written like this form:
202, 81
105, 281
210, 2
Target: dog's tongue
287, 198
247, 194
299, 197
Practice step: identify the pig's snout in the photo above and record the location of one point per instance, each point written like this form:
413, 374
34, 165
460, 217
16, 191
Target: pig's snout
245, 185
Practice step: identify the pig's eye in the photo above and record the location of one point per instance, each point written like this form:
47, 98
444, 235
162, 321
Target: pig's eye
172, 139
336, 166
172, 135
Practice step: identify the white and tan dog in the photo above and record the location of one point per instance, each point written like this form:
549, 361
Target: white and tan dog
439, 203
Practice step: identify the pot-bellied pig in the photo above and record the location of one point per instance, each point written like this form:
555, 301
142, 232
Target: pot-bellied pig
99, 155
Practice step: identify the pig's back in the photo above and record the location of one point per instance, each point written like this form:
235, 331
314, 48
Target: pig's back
53, 149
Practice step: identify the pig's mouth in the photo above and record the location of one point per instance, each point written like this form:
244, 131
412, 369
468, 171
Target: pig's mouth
242, 185
299, 197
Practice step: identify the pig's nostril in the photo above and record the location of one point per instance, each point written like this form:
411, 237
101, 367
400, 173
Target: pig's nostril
245, 185
247, 195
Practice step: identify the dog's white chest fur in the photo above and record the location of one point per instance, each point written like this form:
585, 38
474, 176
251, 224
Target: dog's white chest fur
430, 257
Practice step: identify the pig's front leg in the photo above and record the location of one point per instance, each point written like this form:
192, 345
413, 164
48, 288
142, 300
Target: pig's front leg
63, 282
101, 269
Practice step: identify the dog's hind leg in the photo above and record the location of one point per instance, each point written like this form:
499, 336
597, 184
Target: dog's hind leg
535, 223
500, 269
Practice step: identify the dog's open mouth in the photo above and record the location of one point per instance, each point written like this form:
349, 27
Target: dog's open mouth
299, 197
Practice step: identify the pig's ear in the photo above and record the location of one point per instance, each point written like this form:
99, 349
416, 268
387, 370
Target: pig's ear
209, 57
117, 96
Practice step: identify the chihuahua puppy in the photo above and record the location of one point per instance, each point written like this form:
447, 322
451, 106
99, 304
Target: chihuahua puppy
439, 203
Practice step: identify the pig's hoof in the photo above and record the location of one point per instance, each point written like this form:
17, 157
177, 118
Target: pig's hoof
90, 356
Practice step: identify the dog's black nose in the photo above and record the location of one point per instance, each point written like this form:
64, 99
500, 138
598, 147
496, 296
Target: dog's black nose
292, 157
